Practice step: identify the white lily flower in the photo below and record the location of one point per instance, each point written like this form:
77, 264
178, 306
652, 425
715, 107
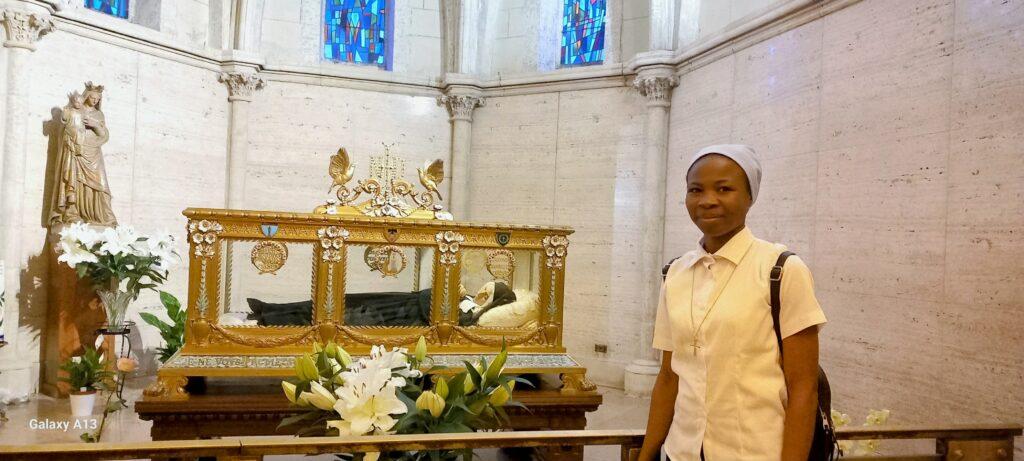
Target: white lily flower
367, 410
75, 254
115, 241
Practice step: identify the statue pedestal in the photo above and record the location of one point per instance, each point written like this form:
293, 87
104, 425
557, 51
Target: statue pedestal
73, 315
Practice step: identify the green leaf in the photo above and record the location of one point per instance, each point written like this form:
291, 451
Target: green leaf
295, 419
171, 303
154, 321
474, 375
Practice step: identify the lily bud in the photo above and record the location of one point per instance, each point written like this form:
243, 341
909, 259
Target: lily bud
320, 397
431, 402
500, 395
495, 368
331, 350
441, 388
305, 368
421, 349
468, 385
289, 390
317, 348
342, 357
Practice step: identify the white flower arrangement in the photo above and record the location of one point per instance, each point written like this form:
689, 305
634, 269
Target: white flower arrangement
119, 262
386, 393
118, 259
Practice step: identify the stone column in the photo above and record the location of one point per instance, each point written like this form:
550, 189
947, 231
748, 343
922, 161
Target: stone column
460, 109
655, 84
241, 86
23, 30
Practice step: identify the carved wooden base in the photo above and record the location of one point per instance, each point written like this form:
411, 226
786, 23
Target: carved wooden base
576, 383
167, 388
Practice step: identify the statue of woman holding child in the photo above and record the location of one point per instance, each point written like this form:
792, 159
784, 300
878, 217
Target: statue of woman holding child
81, 190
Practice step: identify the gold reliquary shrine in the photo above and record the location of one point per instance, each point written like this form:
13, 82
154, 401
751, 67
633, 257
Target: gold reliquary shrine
381, 264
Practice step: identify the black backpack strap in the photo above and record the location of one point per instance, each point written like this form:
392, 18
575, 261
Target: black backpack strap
825, 446
776, 288
664, 270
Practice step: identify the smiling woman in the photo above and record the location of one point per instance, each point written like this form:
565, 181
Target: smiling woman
721, 389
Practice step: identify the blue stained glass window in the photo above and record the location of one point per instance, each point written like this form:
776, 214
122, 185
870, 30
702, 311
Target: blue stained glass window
583, 32
359, 31
117, 8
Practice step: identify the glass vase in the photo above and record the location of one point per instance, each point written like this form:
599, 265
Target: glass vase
115, 304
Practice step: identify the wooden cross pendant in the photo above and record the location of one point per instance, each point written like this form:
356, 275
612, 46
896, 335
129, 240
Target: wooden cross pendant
695, 346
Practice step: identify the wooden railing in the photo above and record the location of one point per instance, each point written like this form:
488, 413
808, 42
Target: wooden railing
953, 443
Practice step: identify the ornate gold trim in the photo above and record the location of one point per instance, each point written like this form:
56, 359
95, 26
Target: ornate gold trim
378, 258
167, 388
268, 256
555, 247
386, 188
203, 235
575, 383
496, 342
272, 341
448, 246
493, 257
332, 240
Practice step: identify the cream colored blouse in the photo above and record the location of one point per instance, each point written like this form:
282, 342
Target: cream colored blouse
732, 393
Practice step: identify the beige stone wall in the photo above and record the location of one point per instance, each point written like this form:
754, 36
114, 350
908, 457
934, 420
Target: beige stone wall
573, 158
891, 137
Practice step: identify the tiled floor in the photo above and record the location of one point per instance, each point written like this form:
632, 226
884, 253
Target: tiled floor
618, 412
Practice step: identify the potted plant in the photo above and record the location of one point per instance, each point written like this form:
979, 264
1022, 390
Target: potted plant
86, 374
119, 262
172, 333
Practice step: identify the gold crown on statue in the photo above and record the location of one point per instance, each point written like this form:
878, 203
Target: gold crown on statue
89, 86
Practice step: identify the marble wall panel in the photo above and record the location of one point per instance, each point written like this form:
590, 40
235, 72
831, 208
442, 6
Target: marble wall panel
513, 157
886, 72
986, 196
785, 206
897, 195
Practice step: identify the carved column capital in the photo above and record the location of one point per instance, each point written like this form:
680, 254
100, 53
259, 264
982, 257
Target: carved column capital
460, 107
242, 85
656, 88
25, 29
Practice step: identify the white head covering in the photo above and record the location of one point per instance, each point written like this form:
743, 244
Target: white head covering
743, 155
